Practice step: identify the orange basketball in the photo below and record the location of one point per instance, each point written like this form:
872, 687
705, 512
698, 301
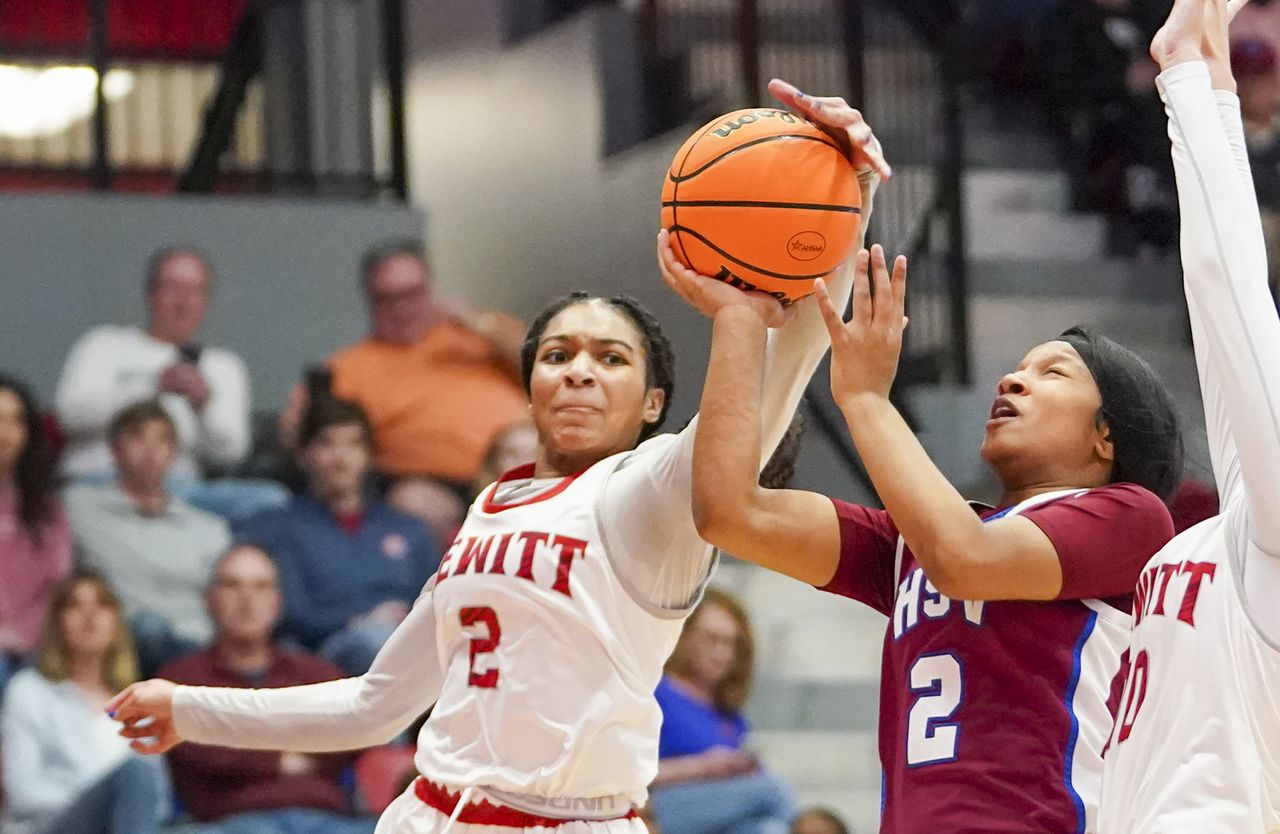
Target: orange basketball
764, 200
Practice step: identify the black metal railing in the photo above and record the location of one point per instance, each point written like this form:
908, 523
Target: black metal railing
162, 95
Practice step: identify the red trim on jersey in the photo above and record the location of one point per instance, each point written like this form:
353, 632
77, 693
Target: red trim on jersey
485, 812
521, 473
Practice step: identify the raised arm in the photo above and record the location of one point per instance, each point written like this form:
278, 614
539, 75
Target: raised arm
403, 682
1234, 323
658, 491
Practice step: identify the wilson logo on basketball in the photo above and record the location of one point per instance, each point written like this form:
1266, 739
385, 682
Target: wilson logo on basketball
750, 118
805, 246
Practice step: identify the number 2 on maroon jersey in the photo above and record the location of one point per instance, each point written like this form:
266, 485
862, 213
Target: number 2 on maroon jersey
487, 679
931, 739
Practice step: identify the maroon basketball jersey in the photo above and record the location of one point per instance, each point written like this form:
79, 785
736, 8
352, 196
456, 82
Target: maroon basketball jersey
993, 715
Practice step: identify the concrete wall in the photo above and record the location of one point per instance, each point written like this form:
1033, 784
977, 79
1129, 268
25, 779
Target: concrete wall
286, 293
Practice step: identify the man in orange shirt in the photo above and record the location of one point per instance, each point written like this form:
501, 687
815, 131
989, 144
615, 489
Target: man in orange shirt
438, 380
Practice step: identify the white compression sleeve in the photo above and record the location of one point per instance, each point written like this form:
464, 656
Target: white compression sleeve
1234, 323
403, 682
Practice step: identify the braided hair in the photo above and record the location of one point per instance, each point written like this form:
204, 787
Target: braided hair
660, 360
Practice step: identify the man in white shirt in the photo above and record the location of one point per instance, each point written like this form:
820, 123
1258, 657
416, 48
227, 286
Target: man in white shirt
204, 390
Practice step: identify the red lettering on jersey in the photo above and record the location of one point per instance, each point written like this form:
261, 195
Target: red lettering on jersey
482, 645
1198, 571
442, 573
1166, 573
1143, 596
531, 542
498, 561
1137, 694
473, 554
569, 547
1116, 694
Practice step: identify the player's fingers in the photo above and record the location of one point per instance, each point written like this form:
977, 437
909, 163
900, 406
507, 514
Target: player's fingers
862, 311
898, 286
155, 746
830, 315
881, 300
1234, 6
147, 730
119, 700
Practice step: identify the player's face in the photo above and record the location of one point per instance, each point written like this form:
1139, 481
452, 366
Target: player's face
712, 643
89, 623
400, 300
1044, 419
145, 454
179, 298
13, 430
244, 601
588, 390
337, 460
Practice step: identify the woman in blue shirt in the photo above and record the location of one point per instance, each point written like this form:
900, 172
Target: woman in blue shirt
707, 783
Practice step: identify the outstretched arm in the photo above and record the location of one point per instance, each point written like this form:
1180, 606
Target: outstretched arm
403, 682
798, 533
1234, 323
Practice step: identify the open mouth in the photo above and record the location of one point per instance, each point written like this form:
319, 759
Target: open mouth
1002, 408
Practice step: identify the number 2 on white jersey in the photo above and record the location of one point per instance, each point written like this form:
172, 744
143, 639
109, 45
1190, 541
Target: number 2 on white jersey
930, 738
487, 617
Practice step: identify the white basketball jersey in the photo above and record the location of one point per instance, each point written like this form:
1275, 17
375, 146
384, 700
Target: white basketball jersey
1196, 745
551, 662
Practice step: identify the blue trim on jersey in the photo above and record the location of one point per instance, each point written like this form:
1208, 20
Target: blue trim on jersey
1075, 722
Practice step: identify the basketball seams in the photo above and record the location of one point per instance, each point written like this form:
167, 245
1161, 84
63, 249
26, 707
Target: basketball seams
681, 176
676, 179
761, 204
780, 276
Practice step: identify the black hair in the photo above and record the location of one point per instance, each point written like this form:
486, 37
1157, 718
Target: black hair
660, 359
34, 474
328, 411
160, 257
376, 254
1138, 411
781, 466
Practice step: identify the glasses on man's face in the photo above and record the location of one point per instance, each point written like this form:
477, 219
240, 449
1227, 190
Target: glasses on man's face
386, 299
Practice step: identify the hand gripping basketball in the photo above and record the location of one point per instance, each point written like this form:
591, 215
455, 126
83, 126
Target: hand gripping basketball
840, 121
708, 295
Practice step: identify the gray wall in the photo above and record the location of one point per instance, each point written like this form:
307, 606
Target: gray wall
286, 293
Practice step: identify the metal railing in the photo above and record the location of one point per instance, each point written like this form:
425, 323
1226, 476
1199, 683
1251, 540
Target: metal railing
158, 95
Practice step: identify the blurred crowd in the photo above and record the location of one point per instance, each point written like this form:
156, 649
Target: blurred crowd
1086, 63
151, 524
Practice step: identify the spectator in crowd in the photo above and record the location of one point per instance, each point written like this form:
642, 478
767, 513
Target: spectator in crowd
1254, 64
707, 782
35, 541
515, 445
66, 769
438, 381
819, 820
1259, 20
255, 791
156, 549
204, 389
350, 565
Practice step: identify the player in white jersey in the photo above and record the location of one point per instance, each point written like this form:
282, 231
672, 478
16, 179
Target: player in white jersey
542, 637
1196, 745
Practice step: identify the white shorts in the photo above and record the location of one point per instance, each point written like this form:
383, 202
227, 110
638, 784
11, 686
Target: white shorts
407, 814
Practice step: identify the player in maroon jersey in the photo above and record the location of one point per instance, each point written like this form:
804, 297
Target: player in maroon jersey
1007, 624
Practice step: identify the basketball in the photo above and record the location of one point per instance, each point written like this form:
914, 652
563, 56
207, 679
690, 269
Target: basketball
764, 200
